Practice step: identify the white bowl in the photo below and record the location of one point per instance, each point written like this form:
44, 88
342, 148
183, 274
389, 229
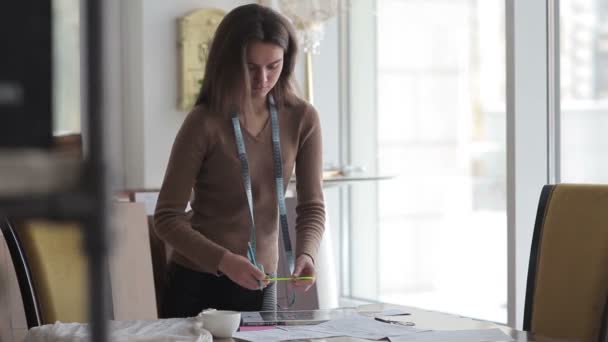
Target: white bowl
221, 323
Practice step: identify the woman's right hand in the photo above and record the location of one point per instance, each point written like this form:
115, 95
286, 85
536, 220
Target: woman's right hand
241, 271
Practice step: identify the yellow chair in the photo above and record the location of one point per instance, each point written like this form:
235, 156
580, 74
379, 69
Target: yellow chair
567, 289
51, 269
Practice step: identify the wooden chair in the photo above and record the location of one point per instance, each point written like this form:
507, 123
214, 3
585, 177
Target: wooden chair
567, 289
160, 253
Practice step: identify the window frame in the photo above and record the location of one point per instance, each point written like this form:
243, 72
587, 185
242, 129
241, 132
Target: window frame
532, 134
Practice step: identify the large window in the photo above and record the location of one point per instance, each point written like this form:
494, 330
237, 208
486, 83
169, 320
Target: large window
584, 90
66, 66
435, 235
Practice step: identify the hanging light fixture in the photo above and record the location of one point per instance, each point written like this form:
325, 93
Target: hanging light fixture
308, 17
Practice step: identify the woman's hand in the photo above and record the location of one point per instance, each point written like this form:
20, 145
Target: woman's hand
304, 267
241, 271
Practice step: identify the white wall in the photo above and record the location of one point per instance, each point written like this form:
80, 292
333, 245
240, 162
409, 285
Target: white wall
326, 99
150, 54
113, 88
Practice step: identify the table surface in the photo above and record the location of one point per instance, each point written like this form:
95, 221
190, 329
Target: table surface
423, 319
426, 319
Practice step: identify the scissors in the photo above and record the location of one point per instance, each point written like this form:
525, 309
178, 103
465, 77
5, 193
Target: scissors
383, 320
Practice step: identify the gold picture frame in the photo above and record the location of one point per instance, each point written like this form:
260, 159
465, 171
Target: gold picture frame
195, 32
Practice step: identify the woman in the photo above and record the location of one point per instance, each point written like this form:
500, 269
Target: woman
224, 151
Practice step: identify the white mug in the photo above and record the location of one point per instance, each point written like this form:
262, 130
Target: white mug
221, 323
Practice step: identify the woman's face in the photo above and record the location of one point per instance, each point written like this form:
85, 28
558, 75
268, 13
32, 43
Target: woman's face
265, 62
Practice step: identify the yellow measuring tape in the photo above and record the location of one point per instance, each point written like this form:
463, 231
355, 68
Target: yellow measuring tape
289, 278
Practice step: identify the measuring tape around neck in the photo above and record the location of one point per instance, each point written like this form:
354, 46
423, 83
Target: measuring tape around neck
279, 185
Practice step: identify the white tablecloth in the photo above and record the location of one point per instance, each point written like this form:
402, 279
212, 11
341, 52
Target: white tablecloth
175, 329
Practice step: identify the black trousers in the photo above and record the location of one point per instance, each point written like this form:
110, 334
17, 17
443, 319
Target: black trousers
188, 292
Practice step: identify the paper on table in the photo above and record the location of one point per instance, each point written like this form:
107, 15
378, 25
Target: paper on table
257, 327
429, 320
276, 335
482, 335
393, 312
356, 326
385, 312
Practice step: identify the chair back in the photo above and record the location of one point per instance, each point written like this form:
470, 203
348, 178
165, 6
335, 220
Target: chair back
51, 269
567, 289
160, 253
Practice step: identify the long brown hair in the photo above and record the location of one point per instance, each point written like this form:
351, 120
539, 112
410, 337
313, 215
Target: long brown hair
226, 85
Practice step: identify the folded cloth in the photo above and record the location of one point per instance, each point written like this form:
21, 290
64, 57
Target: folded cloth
174, 329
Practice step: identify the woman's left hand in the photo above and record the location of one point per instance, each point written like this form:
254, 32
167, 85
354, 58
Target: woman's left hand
304, 267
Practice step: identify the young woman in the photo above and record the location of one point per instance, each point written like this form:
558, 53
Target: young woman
236, 150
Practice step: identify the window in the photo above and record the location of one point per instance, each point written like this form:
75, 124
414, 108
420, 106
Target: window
584, 90
66, 66
430, 111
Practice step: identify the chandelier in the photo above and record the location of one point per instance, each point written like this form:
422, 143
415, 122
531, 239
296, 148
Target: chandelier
308, 17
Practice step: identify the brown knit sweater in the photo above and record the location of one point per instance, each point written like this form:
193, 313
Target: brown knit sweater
204, 158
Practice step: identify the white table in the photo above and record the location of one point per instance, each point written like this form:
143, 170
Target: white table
164, 330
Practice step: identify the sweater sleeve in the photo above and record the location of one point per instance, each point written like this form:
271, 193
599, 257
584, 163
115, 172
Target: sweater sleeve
310, 209
170, 220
